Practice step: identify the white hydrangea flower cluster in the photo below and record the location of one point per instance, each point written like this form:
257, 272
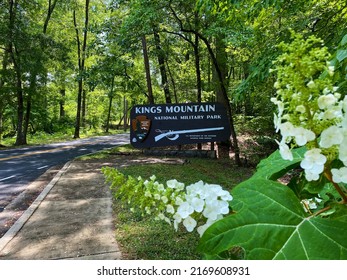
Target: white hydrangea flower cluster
311, 111
311, 203
196, 206
206, 202
327, 138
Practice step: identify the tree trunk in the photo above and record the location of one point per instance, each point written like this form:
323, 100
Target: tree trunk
80, 82
172, 82
125, 113
34, 71
109, 114
161, 61
62, 103
81, 65
221, 57
198, 75
51, 6
13, 52
84, 107
78, 110
197, 69
197, 58
224, 93
1, 118
148, 70
27, 115
21, 137
248, 98
3, 99
224, 99
32, 89
110, 96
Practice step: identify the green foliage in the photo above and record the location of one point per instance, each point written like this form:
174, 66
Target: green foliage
197, 205
339, 61
269, 221
274, 167
147, 239
249, 32
143, 237
137, 193
295, 205
256, 137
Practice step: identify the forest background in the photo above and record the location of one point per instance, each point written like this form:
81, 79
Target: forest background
72, 65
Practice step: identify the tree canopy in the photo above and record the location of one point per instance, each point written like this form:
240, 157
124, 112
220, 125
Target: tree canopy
67, 65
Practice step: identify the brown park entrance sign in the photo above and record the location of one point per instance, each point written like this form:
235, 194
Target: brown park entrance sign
176, 124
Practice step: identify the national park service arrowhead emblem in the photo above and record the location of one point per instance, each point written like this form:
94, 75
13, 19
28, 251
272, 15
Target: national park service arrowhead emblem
141, 126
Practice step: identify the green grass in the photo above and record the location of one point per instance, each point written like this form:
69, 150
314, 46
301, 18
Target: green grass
145, 238
212, 171
104, 154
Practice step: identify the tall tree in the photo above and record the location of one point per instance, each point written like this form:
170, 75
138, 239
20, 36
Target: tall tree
222, 85
14, 54
162, 68
148, 70
4, 51
25, 52
81, 52
37, 64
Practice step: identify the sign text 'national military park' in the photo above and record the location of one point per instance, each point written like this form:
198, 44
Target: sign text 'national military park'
176, 124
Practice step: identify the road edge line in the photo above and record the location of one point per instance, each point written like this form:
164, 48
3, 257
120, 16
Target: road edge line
16, 227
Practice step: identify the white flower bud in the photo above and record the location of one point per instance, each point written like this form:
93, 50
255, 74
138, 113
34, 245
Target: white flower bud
331, 70
311, 84
301, 109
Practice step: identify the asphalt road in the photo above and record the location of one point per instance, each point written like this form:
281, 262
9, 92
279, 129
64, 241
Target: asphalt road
19, 167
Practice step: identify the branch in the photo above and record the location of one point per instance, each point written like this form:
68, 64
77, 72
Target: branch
78, 41
136, 82
326, 209
180, 35
208, 45
51, 7
328, 175
86, 21
327, 20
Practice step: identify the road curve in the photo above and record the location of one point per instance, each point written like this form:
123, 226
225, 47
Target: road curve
21, 166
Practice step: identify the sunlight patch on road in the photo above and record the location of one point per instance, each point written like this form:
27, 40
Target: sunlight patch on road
42, 167
37, 153
7, 178
121, 142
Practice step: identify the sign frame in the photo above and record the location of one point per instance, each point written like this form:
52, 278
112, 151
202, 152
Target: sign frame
158, 125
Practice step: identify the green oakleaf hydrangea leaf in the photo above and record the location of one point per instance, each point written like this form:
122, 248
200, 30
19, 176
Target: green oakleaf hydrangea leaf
270, 223
344, 41
341, 55
275, 167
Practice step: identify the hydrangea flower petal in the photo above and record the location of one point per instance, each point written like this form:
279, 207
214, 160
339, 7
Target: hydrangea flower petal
339, 175
189, 223
285, 152
331, 136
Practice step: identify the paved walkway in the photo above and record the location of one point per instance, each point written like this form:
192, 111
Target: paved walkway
71, 219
